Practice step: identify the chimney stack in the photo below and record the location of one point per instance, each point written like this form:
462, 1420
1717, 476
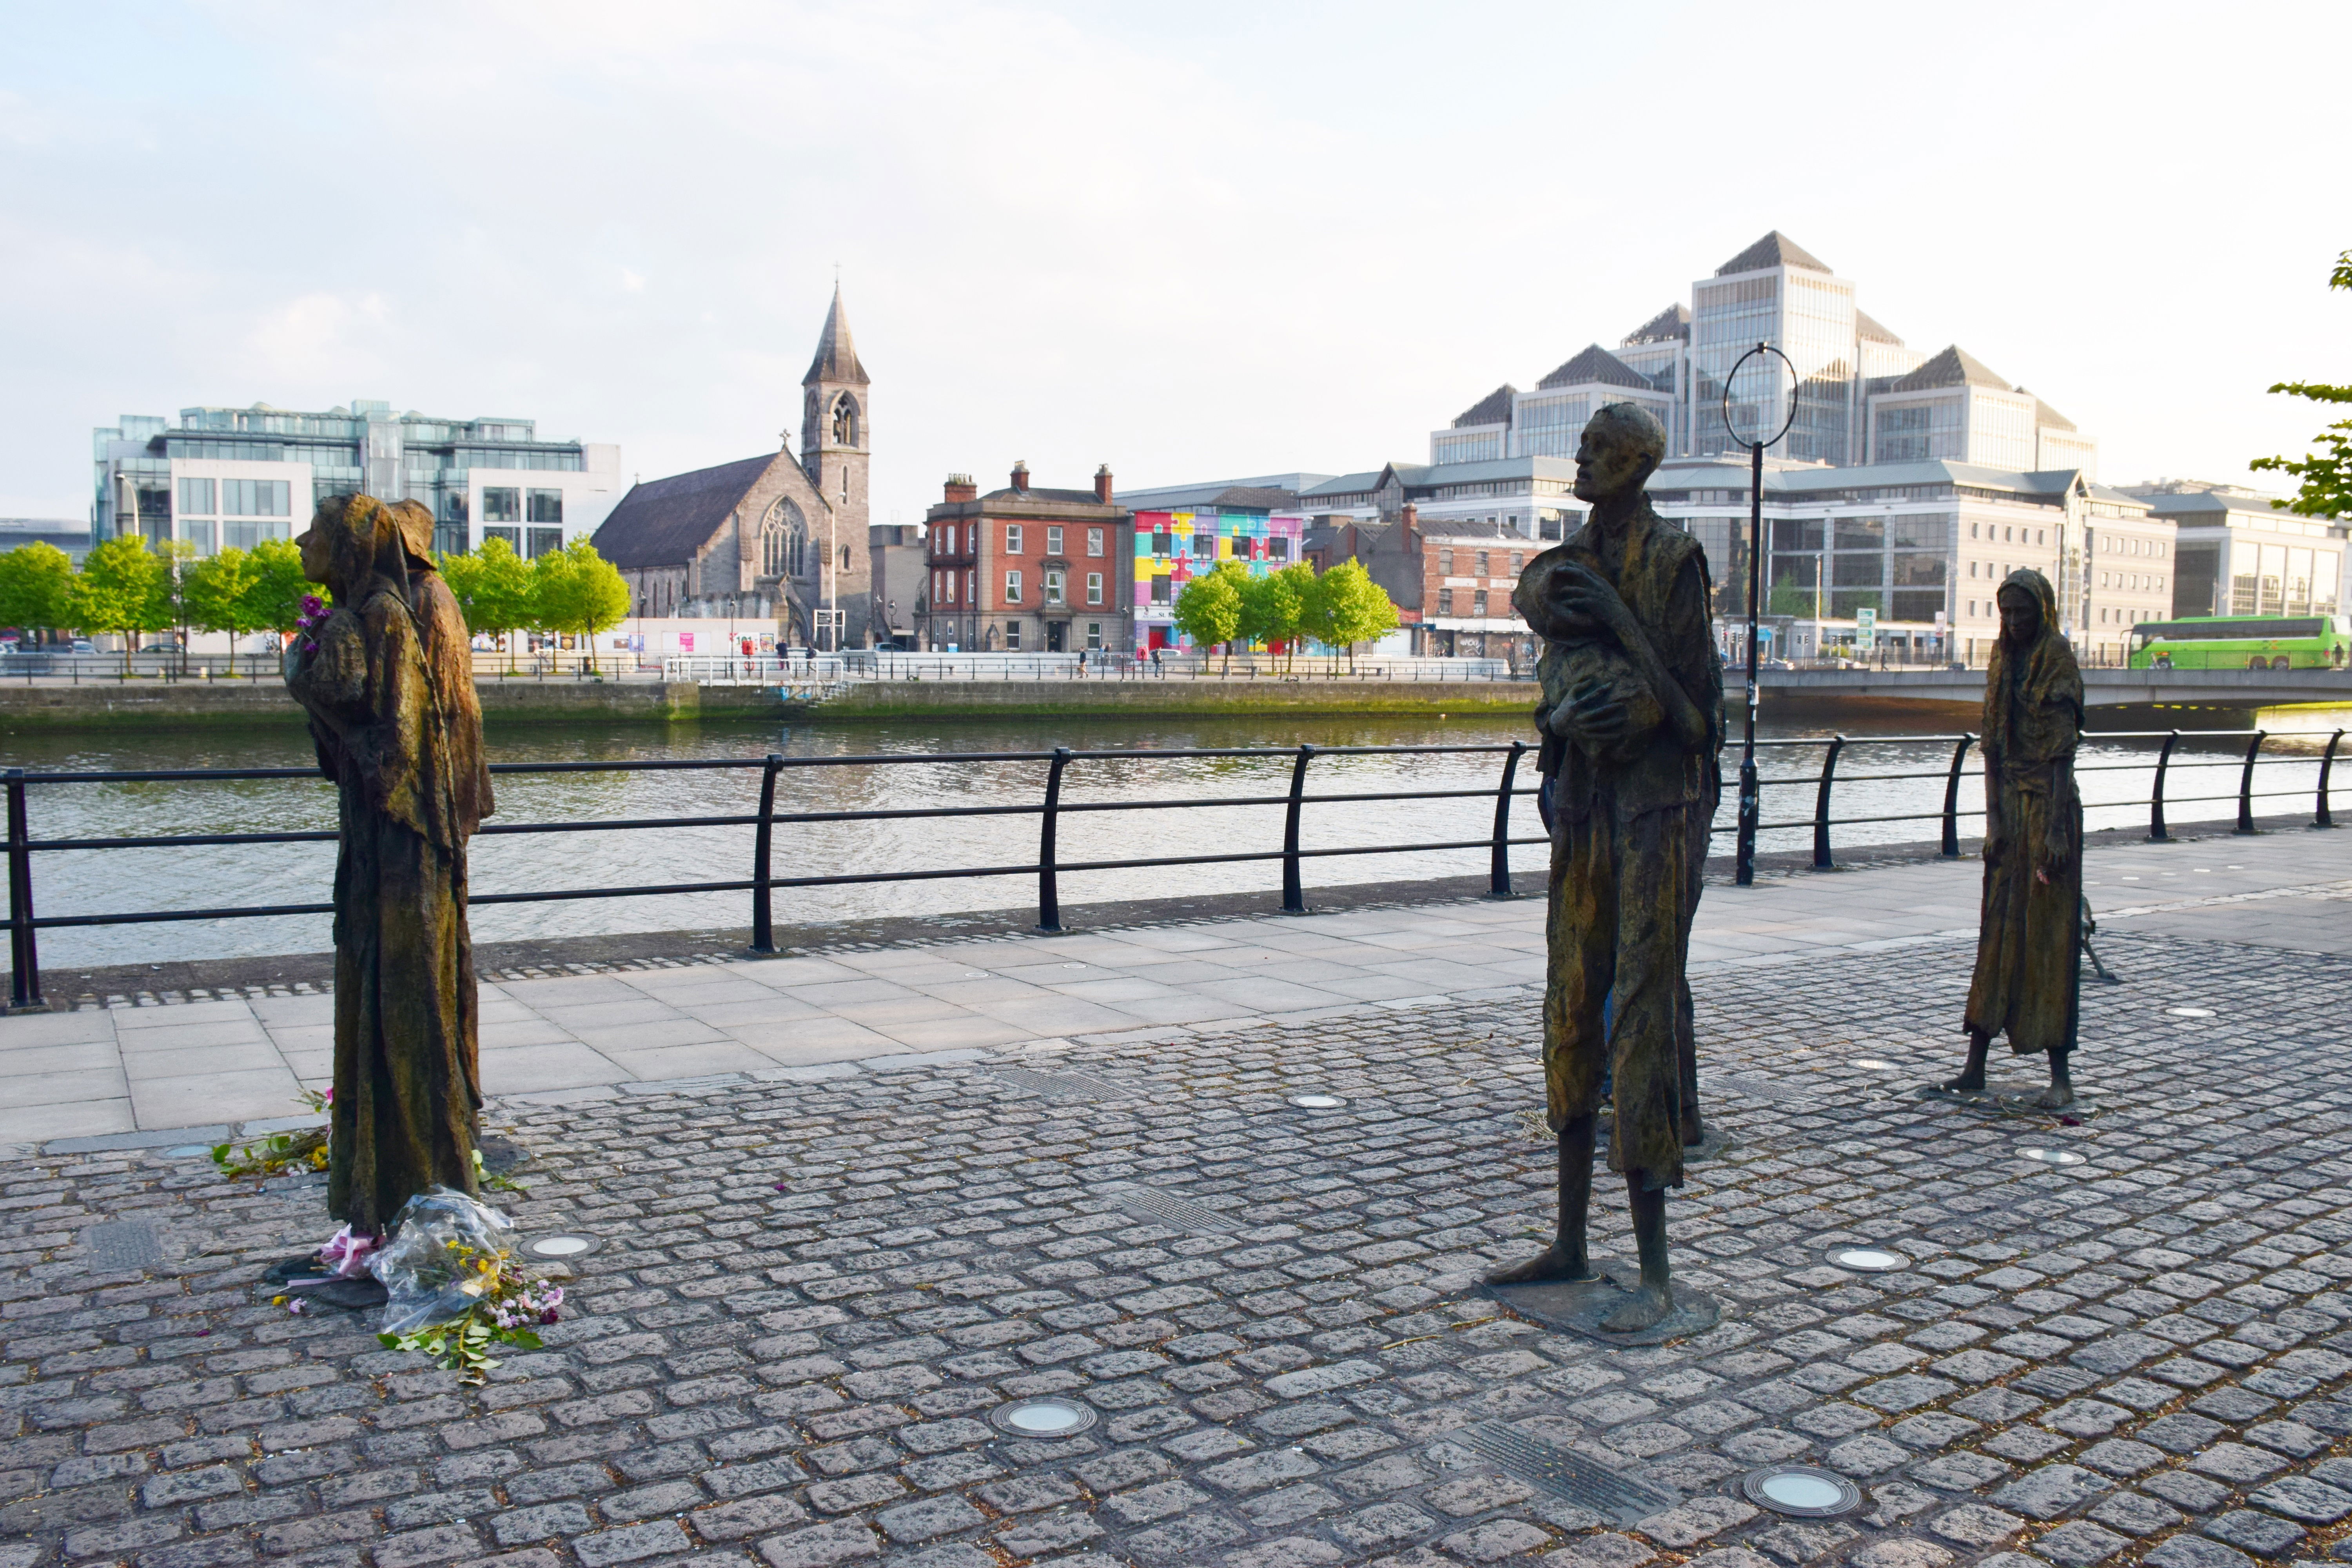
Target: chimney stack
961, 488
1412, 515
1021, 475
1102, 484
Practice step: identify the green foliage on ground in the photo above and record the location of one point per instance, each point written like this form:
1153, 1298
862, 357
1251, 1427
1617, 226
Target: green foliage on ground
2325, 473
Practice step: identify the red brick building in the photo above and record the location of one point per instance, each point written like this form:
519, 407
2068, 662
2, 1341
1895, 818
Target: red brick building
1025, 570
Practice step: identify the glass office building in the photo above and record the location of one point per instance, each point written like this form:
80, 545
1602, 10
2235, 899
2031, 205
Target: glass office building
1861, 395
221, 477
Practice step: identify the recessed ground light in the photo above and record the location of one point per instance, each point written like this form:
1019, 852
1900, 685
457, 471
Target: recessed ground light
1042, 1417
1874, 1063
2190, 1012
562, 1246
2052, 1156
1317, 1101
1868, 1259
1803, 1490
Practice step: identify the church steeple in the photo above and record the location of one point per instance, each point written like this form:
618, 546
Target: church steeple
837, 354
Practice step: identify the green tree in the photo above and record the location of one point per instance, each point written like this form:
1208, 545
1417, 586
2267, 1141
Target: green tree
1275, 608
1794, 599
1348, 607
123, 588
217, 594
494, 590
578, 591
36, 584
1209, 610
274, 602
2327, 474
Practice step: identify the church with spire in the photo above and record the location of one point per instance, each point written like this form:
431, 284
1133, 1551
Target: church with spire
775, 544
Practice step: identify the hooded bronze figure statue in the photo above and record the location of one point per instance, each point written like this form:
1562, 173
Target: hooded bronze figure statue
388, 684
2029, 941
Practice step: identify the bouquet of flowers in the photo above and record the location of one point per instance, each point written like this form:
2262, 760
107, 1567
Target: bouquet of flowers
315, 612
281, 1151
455, 1290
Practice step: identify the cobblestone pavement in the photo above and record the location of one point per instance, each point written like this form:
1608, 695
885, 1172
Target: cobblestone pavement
813, 1290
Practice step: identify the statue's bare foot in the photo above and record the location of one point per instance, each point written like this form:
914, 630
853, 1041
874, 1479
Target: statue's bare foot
1553, 1264
1972, 1081
2057, 1096
1645, 1307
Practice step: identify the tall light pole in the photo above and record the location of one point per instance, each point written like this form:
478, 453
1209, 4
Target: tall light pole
1750, 796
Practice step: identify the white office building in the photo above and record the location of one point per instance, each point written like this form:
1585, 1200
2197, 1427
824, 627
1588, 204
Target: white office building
224, 476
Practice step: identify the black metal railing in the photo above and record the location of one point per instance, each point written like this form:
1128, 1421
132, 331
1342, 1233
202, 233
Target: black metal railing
24, 924
1949, 818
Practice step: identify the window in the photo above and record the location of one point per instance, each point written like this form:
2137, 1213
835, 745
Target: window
253, 498
1972, 533
1163, 544
1012, 587
1478, 603
546, 541
195, 496
1204, 544
1515, 562
513, 536
1484, 567
197, 531
1013, 539
546, 506
2037, 535
1053, 541
500, 505
1445, 601
1094, 588
844, 422
1446, 562
2008, 534
783, 541
1094, 542
1094, 636
1013, 636
1053, 585
1160, 590
1277, 550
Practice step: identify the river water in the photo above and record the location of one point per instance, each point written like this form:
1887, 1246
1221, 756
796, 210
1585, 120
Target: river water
92, 881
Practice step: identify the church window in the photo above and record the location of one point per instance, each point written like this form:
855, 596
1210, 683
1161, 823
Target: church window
844, 422
783, 542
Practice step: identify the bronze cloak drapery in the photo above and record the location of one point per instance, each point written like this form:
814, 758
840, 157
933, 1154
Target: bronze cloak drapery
2030, 930
1628, 841
377, 680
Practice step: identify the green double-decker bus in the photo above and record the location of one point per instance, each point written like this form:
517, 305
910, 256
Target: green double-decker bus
2243, 642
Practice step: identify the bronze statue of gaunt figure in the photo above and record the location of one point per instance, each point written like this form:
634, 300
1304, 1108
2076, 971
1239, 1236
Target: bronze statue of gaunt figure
1634, 694
387, 681
2029, 942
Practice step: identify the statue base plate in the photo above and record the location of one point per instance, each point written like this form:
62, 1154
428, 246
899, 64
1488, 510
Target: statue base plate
1578, 1307
2014, 1096
302, 1276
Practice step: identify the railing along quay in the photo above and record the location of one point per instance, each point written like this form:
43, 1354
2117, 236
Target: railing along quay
24, 924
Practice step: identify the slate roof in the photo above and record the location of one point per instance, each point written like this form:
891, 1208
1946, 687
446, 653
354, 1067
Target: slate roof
837, 354
1870, 332
1039, 492
1954, 367
663, 521
1671, 323
1495, 408
1596, 365
1775, 249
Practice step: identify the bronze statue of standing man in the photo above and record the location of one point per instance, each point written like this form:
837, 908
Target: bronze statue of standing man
1625, 608
388, 684
2030, 933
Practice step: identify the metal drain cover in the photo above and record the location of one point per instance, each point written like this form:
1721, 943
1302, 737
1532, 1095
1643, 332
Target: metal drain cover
1564, 1473
1150, 1202
1060, 1085
122, 1244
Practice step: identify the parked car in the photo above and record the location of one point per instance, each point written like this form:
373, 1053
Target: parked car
83, 644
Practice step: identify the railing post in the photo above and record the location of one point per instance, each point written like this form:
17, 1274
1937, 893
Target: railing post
2156, 830
2324, 817
1952, 799
763, 927
2246, 785
1821, 861
1049, 892
1294, 899
1498, 884
24, 954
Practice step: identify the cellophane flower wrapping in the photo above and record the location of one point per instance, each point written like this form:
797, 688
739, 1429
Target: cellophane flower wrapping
443, 1257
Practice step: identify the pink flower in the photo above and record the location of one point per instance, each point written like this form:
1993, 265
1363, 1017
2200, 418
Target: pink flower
548, 1316
347, 1253
296, 1306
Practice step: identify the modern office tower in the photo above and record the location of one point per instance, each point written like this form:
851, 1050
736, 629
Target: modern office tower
226, 476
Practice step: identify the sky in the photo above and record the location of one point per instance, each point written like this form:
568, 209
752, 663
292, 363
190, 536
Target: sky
1222, 238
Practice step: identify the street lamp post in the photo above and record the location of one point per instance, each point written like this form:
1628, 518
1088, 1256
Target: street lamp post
1751, 794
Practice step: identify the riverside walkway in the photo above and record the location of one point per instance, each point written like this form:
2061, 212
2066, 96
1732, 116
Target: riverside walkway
2120, 1336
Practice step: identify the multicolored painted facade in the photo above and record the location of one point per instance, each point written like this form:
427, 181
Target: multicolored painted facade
1170, 546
